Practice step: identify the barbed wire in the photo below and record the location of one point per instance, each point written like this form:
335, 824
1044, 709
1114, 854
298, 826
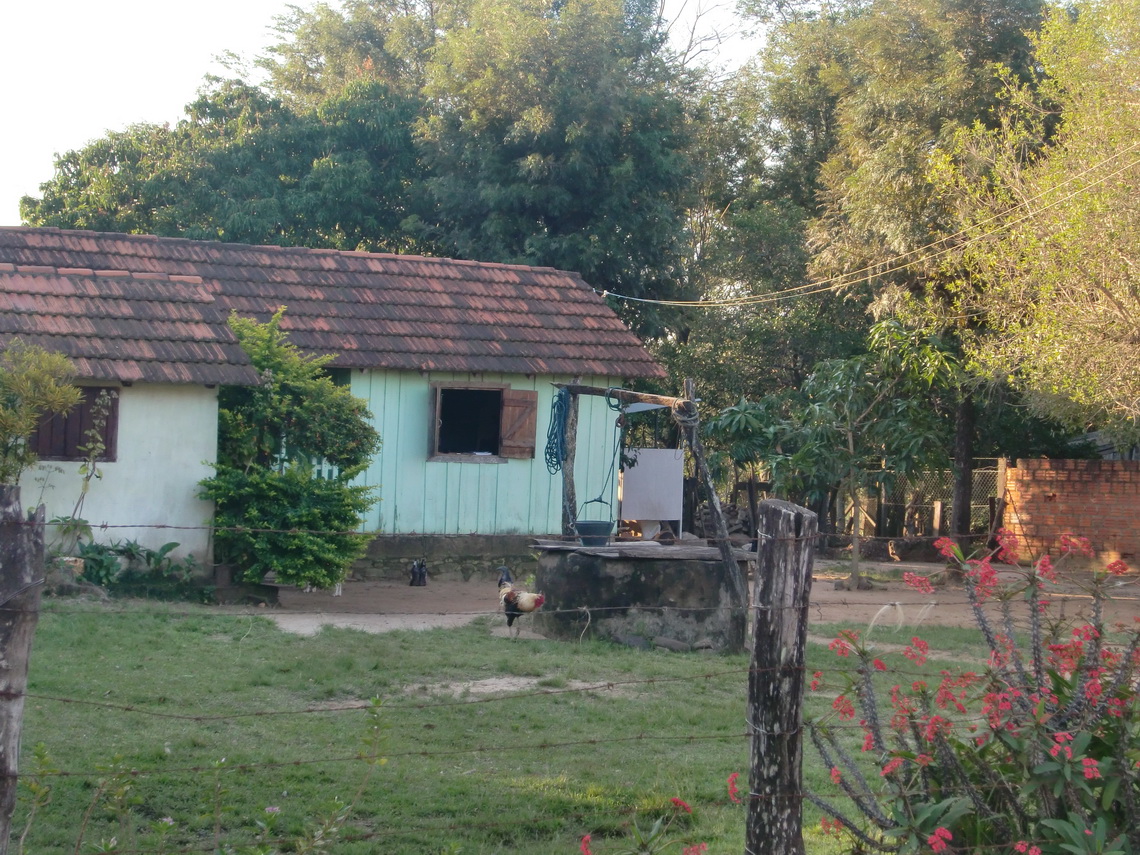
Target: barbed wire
570, 539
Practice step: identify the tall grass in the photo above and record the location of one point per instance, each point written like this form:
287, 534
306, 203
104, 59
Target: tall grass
181, 723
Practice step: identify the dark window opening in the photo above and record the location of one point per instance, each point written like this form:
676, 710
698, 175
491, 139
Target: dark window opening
469, 421
69, 436
339, 376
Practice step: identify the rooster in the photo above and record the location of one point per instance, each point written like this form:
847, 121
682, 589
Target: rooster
516, 601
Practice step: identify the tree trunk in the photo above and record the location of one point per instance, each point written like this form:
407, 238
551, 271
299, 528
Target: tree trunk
21, 581
963, 470
776, 679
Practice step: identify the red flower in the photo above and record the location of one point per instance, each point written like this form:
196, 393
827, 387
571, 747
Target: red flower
585, 847
916, 651
1091, 769
695, 849
918, 583
835, 776
947, 547
1117, 568
984, 577
733, 792
1070, 544
1008, 546
844, 707
891, 766
680, 805
937, 841
879, 665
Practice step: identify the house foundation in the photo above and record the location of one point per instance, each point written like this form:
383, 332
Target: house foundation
461, 556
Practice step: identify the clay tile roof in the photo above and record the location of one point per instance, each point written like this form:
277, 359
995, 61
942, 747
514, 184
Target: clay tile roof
140, 307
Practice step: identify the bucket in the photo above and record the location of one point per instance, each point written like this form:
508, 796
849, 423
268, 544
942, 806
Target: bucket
594, 532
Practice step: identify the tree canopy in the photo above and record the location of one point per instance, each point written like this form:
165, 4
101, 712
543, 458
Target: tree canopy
1052, 224
854, 152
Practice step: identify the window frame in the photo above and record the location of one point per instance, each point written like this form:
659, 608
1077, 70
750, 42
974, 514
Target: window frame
518, 422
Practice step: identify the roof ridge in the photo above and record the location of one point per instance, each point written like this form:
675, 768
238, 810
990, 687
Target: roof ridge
294, 250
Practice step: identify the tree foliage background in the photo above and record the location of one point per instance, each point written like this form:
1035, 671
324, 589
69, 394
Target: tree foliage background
749, 222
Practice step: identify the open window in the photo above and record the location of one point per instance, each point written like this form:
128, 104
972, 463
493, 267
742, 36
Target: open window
479, 423
95, 419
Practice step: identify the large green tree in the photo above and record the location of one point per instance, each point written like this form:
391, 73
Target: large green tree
558, 138
885, 85
244, 167
1052, 220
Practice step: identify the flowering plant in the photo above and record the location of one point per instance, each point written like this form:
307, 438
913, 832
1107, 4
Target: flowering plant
1036, 753
655, 839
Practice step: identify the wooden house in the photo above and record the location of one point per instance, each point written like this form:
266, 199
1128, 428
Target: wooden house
456, 360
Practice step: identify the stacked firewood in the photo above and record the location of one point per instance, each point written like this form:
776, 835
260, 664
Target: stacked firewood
736, 517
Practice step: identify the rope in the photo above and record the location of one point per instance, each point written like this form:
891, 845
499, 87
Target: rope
556, 433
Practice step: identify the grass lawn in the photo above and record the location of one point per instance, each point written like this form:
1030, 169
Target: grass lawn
182, 724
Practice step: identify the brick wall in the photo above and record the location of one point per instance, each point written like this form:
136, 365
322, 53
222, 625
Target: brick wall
1097, 499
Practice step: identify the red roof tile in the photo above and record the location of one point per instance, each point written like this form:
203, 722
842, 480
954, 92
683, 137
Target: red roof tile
140, 307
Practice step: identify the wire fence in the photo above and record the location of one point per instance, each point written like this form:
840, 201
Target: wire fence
403, 708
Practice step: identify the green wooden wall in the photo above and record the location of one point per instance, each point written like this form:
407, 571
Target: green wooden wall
516, 497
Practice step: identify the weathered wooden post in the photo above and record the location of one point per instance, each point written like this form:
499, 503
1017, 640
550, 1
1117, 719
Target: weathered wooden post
569, 496
21, 581
776, 679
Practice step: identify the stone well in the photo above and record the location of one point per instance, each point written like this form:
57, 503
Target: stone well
640, 593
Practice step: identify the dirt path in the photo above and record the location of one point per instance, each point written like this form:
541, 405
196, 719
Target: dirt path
386, 606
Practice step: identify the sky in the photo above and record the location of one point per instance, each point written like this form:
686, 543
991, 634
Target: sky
75, 69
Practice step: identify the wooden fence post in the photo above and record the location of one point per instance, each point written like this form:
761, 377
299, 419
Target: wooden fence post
21, 582
787, 535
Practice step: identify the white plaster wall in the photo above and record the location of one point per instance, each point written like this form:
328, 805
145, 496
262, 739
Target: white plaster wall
168, 437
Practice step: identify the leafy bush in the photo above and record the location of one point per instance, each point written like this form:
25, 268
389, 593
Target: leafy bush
301, 528
272, 513
127, 568
100, 563
1037, 753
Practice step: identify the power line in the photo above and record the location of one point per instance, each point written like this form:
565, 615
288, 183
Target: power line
899, 262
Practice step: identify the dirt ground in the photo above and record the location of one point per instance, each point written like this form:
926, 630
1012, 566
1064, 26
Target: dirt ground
386, 606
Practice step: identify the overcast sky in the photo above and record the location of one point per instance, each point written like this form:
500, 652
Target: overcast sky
75, 69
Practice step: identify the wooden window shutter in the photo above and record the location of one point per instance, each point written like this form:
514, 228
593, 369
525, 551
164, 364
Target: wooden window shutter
519, 423
62, 437
433, 424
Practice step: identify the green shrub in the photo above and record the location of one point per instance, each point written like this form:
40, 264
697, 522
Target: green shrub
272, 514
1035, 753
301, 528
100, 563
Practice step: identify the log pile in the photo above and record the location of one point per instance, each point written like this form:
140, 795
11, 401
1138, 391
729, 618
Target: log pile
741, 532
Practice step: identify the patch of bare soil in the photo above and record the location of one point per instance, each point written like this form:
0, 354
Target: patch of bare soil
387, 606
